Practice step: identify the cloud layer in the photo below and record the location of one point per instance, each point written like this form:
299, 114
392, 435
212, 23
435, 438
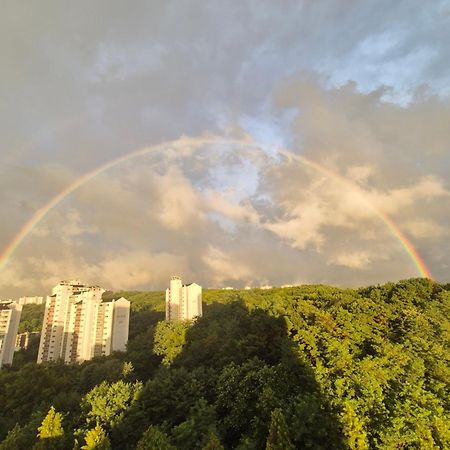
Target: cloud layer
360, 90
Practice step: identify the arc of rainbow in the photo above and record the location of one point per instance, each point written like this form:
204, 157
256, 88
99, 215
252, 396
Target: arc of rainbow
76, 184
182, 143
391, 225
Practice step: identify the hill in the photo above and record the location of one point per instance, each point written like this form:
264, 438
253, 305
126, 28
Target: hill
312, 366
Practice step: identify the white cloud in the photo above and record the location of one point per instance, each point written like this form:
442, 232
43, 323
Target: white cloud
220, 202
359, 174
423, 228
137, 269
303, 226
225, 267
353, 260
176, 204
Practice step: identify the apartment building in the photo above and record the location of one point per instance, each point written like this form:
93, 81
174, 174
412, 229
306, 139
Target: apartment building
183, 301
23, 340
31, 300
9, 325
115, 315
79, 325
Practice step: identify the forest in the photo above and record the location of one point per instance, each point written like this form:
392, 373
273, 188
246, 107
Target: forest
307, 367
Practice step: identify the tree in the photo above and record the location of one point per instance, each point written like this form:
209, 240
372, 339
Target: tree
12, 440
154, 439
353, 429
106, 403
191, 433
35, 387
278, 432
213, 443
51, 432
166, 400
350, 368
51, 425
96, 439
22, 437
127, 369
241, 400
170, 338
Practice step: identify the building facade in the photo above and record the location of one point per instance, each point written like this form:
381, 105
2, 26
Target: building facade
79, 325
31, 301
23, 340
113, 315
183, 301
9, 325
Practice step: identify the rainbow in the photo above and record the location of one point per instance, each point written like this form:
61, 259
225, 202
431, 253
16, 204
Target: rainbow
394, 229
182, 144
34, 220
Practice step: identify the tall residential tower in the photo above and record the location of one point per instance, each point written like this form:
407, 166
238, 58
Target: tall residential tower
79, 325
9, 324
183, 301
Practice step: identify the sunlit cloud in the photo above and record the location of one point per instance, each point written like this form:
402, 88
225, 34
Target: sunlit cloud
368, 104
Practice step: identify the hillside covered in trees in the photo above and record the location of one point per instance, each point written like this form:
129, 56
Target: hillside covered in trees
312, 367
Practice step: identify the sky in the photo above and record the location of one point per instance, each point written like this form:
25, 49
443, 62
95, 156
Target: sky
274, 138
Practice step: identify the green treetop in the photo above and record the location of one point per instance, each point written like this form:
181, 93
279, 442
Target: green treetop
213, 443
154, 439
278, 433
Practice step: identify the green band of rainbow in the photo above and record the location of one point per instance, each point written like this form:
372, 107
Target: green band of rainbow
187, 142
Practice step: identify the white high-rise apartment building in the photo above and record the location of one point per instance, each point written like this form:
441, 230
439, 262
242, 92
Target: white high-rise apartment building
79, 325
111, 315
183, 301
9, 324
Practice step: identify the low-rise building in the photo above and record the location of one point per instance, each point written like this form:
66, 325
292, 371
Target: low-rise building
23, 340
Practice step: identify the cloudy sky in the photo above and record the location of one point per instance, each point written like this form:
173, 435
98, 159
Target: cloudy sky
278, 135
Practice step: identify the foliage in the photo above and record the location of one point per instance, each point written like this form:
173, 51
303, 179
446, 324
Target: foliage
213, 443
140, 301
50, 432
51, 425
100, 369
127, 369
28, 355
232, 333
31, 318
278, 433
169, 339
13, 440
106, 403
35, 388
348, 368
96, 439
22, 437
192, 433
154, 439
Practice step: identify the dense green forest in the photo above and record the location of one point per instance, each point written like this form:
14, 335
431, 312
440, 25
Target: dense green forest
308, 367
